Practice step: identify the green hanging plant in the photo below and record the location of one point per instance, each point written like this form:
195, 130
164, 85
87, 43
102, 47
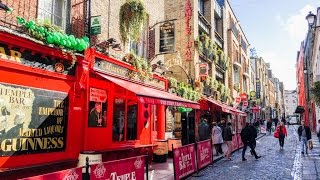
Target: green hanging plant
173, 82
132, 16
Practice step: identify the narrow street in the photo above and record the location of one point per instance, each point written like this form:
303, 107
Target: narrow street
274, 163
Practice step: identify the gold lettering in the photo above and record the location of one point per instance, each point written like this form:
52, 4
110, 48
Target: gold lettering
4, 146
58, 103
60, 142
23, 144
3, 53
31, 142
15, 56
50, 111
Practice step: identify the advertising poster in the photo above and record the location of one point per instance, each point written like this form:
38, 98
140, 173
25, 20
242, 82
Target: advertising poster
97, 108
204, 153
32, 120
184, 159
130, 168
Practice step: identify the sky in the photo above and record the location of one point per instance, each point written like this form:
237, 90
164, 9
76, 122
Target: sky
276, 28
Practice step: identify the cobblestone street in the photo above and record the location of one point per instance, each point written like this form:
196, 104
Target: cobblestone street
274, 164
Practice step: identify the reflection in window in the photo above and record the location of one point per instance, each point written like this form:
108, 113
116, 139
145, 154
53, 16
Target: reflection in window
132, 112
118, 119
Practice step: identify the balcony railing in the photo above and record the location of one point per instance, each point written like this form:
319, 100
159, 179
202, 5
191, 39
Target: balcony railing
204, 24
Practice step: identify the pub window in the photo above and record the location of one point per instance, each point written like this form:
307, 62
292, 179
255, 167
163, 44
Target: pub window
125, 114
54, 11
119, 108
132, 111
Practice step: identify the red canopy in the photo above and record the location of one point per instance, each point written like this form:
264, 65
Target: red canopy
225, 108
152, 96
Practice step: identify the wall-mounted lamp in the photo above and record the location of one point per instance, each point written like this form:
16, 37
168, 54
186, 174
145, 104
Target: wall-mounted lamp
111, 42
5, 7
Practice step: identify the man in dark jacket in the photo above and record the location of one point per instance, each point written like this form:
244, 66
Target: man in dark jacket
269, 126
204, 131
304, 133
248, 138
254, 136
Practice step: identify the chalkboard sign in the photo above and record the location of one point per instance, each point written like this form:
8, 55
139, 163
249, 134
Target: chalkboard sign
166, 37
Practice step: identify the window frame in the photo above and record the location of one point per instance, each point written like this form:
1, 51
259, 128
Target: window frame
125, 125
64, 15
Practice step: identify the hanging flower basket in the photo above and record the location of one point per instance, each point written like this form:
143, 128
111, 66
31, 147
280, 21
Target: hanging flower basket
132, 17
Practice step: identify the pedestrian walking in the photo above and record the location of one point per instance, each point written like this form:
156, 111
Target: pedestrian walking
247, 138
318, 131
254, 133
282, 133
204, 131
269, 125
216, 137
304, 136
276, 120
227, 137
222, 125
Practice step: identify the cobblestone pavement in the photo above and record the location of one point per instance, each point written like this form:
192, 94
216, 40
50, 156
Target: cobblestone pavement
273, 165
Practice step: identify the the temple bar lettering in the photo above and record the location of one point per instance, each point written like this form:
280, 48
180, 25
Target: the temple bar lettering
31, 120
113, 69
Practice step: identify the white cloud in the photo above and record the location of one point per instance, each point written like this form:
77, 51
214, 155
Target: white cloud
296, 25
284, 70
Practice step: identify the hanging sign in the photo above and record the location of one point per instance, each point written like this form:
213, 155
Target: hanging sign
203, 69
243, 96
32, 120
258, 89
238, 100
95, 25
188, 30
166, 37
252, 95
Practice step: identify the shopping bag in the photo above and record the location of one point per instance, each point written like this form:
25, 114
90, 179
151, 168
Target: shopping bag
310, 144
276, 134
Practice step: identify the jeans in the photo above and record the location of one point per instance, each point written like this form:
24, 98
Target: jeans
304, 144
229, 144
281, 141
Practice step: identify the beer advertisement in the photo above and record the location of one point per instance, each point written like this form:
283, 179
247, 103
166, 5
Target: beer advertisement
97, 107
32, 120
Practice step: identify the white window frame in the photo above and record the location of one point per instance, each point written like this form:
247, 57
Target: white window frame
63, 15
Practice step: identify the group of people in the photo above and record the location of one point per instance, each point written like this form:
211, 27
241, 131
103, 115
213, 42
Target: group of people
220, 133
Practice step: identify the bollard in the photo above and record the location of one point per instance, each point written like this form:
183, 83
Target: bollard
86, 175
147, 165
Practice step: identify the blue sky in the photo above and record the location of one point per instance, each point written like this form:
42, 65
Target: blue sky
276, 28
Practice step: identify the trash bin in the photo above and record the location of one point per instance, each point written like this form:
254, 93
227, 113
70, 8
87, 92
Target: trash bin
175, 142
160, 151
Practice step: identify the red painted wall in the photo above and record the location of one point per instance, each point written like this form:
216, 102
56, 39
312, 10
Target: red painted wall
301, 90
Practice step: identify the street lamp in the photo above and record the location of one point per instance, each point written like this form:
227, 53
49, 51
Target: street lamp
312, 20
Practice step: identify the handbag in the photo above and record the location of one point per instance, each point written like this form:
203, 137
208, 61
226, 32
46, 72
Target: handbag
276, 134
310, 144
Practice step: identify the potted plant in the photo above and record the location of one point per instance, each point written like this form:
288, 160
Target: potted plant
132, 17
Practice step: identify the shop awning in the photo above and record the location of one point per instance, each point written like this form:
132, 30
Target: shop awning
225, 108
149, 95
299, 109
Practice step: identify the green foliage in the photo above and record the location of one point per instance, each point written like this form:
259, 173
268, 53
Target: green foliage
206, 47
173, 82
187, 92
316, 92
142, 70
132, 18
236, 87
52, 34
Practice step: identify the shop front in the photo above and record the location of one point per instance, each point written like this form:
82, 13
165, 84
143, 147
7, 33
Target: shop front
125, 115
40, 120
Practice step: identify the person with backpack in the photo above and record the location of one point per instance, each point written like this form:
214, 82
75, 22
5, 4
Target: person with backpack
227, 137
204, 131
247, 137
281, 133
304, 133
